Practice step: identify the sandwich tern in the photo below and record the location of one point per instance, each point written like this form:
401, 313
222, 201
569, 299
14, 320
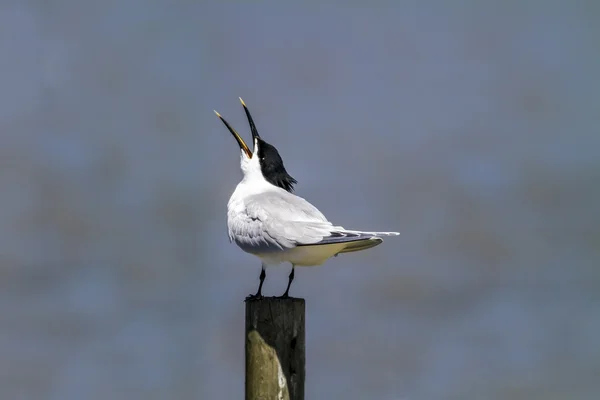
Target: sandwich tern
266, 219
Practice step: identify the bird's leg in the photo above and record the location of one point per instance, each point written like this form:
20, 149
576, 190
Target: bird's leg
290, 279
262, 277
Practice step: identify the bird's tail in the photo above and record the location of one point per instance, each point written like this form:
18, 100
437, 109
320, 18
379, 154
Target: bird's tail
362, 244
366, 240
362, 233
352, 240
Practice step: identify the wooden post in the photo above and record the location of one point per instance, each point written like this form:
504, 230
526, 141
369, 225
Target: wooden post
275, 349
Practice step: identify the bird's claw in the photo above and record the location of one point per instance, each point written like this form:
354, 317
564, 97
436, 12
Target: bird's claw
251, 297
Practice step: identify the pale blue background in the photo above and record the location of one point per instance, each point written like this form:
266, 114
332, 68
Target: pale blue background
471, 127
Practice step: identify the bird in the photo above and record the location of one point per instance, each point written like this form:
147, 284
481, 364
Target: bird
266, 219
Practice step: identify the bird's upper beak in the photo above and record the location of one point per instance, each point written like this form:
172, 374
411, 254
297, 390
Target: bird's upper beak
255, 134
238, 138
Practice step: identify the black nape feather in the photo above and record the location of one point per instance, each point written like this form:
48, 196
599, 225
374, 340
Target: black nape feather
272, 167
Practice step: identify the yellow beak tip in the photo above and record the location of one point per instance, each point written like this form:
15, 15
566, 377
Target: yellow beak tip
218, 115
242, 101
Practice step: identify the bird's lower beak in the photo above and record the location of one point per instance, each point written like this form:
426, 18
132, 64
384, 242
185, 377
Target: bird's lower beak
237, 137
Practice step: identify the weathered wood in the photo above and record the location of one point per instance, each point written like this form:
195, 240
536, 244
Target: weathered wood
275, 349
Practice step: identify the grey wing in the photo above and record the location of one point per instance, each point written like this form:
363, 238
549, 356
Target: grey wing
278, 220
285, 206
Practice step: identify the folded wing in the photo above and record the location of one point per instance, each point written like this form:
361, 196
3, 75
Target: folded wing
279, 220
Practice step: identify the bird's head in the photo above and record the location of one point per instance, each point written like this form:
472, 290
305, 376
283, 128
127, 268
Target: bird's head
264, 159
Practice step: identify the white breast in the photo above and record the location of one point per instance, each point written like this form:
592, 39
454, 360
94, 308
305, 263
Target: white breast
303, 256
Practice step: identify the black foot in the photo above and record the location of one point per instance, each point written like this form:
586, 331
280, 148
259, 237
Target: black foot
258, 294
287, 290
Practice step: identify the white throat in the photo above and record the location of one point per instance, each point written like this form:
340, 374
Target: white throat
253, 181
250, 166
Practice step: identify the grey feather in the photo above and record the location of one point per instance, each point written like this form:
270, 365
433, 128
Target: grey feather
277, 220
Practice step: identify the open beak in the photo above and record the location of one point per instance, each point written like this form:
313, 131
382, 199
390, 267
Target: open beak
255, 134
237, 136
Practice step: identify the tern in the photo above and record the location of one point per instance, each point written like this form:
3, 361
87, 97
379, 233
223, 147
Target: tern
266, 219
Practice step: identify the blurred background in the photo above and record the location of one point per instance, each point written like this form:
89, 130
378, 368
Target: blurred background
471, 127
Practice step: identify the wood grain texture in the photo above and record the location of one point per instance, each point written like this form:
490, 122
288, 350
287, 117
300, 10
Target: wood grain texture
275, 348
